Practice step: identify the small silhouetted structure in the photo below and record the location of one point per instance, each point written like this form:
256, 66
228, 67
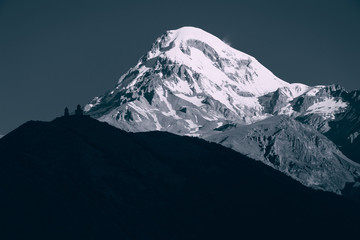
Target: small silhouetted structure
66, 112
79, 111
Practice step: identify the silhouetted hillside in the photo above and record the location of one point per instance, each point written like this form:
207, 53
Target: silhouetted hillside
77, 178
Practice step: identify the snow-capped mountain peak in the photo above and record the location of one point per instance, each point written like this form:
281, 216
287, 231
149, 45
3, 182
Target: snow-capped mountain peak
197, 67
214, 60
190, 68
192, 83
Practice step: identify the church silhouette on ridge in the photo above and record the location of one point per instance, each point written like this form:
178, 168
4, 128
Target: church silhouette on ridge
78, 112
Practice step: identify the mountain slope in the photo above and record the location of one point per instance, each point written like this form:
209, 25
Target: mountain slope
77, 178
345, 128
192, 83
293, 148
338, 119
187, 79
190, 78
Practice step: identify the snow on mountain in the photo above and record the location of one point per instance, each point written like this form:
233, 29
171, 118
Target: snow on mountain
191, 83
218, 63
201, 71
328, 108
193, 66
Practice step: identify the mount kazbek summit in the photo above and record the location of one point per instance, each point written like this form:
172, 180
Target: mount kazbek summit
192, 83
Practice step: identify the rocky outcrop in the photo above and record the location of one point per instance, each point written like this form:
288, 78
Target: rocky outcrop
293, 148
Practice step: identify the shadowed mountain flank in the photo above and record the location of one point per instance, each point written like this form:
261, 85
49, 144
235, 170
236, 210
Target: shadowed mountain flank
77, 178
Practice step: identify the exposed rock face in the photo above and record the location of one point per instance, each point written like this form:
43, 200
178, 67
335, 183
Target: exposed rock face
293, 148
191, 83
345, 128
275, 101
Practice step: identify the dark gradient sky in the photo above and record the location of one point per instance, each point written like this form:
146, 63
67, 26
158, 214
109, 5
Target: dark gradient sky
60, 53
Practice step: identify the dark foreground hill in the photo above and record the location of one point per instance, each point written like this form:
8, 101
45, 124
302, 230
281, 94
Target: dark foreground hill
77, 178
